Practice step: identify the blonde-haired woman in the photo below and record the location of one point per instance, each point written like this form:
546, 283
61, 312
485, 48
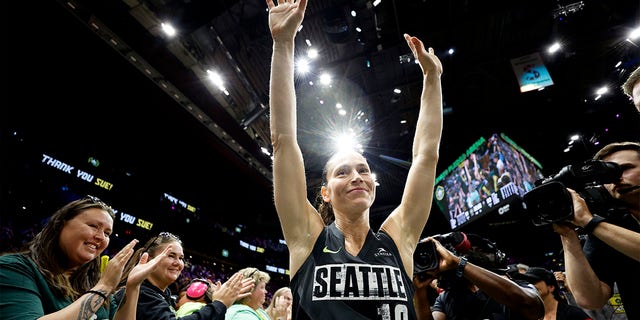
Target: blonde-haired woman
280, 306
251, 307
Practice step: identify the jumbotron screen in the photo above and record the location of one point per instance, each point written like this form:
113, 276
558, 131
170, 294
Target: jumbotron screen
491, 173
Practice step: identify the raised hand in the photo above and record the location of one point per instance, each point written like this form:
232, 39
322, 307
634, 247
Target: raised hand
233, 289
429, 62
145, 267
285, 18
113, 271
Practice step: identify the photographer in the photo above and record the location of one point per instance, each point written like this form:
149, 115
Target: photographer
611, 253
472, 287
556, 306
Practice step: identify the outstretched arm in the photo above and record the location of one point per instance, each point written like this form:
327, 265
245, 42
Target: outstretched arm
406, 223
586, 287
298, 219
524, 300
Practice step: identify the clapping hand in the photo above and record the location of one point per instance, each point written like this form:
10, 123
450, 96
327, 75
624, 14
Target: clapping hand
113, 271
145, 267
237, 287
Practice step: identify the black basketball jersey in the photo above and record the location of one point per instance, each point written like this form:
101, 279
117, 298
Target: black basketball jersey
333, 284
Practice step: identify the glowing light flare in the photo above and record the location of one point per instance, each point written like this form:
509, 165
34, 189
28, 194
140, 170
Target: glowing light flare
602, 90
555, 47
634, 34
312, 53
302, 66
325, 79
168, 29
347, 142
216, 79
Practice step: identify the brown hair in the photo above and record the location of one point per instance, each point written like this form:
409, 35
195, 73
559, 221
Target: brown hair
44, 249
152, 247
325, 208
615, 147
627, 86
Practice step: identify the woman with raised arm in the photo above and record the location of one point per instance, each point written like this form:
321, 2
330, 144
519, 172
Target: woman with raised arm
340, 267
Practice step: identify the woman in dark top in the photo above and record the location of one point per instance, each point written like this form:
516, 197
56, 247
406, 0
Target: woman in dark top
340, 267
59, 274
155, 297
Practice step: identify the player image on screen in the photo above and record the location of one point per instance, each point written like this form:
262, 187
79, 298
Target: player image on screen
491, 172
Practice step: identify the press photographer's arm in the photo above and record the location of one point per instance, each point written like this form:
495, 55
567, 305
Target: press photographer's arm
463, 278
611, 253
619, 238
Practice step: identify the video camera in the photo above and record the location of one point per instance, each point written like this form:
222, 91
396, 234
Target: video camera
426, 257
550, 202
478, 250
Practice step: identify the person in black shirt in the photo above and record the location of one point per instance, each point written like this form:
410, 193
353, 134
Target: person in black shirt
611, 253
340, 267
475, 287
155, 302
555, 306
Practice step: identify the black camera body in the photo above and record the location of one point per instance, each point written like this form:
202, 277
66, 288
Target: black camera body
478, 250
550, 202
426, 257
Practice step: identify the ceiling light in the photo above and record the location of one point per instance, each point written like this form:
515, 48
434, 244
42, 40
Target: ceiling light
312, 53
325, 79
168, 29
634, 34
554, 47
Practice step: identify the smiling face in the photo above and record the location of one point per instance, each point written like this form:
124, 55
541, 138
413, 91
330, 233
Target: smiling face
170, 268
84, 237
350, 185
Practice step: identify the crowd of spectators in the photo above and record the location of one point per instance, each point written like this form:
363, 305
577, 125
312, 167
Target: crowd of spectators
197, 265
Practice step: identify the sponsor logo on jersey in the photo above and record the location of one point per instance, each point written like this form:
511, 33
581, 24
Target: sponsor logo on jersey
327, 250
382, 252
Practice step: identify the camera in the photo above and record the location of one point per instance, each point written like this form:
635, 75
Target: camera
550, 202
478, 250
426, 257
